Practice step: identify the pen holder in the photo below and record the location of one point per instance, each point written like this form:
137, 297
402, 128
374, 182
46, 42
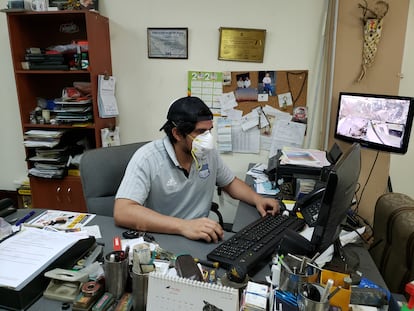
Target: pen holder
307, 302
139, 290
343, 298
291, 280
116, 273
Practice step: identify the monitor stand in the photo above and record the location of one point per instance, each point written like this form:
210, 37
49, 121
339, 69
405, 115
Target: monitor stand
344, 260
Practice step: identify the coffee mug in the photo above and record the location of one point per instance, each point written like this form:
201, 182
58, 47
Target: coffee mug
39, 5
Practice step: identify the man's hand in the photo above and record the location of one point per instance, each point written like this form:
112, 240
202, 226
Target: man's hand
267, 205
203, 228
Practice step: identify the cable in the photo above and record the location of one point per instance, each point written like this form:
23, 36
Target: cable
366, 182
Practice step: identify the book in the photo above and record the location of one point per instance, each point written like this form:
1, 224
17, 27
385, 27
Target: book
167, 292
26, 253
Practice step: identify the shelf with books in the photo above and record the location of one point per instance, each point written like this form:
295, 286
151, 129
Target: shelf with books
37, 90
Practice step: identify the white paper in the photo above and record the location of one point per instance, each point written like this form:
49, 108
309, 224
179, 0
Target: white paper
107, 104
250, 120
110, 137
245, 141
24, 255
224, 135
72, 220
286, 133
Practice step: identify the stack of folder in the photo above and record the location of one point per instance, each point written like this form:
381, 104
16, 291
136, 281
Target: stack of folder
49, 160
69, 111
49, 163
42, 138
43, 61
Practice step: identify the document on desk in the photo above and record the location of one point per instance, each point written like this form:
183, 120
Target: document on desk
27, 253
61, 220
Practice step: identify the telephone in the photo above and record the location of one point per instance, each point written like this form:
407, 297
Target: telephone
309, 206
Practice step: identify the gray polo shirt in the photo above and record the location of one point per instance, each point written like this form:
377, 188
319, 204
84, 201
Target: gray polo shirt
154, 178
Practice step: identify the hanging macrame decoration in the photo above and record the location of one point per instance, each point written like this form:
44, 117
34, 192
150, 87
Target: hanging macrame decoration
372, 19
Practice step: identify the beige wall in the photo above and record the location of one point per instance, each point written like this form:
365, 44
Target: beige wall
383, 77
147, 86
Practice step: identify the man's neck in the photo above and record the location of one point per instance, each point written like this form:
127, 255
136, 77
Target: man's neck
185, 159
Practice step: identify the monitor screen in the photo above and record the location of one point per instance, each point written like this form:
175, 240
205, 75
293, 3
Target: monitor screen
339, 192
380, 122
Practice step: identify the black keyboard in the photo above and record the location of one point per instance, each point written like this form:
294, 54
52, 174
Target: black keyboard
255, 242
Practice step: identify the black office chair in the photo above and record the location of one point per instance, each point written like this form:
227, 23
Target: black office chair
101, 173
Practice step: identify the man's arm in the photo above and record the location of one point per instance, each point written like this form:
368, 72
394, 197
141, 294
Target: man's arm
239, 190
130, 214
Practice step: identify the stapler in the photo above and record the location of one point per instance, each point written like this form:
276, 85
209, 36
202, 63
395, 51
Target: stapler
65, 284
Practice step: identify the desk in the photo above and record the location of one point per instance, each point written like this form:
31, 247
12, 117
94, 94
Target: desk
180, 245
173, 243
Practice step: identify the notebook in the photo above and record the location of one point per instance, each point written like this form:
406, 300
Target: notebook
177, 294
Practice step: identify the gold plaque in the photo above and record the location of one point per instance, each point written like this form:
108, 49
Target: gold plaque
240, 44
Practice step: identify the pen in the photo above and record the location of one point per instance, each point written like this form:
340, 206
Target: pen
308, 263
333, 293
25, 218
326, 291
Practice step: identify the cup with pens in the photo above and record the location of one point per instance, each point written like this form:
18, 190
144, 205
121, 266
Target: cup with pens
296, 271
116, 272
313, 297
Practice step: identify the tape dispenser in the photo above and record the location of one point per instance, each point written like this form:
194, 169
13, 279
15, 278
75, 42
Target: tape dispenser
65, 284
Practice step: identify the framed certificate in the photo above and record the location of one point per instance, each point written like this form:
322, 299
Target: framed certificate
240, 44
167, 43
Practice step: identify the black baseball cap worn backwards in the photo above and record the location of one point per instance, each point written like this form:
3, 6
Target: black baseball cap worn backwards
188, 109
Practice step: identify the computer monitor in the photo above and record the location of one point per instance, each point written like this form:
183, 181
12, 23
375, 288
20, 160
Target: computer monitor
336, 200
379, 122
340, 190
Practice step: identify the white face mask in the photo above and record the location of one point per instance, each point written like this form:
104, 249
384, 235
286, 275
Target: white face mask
202, 144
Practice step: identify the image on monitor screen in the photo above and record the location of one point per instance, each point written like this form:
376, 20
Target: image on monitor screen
380, 122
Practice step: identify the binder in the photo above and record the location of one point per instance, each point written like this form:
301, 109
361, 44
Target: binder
174, 293
13, 299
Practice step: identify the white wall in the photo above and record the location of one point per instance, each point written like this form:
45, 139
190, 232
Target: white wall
145, 87
401, 166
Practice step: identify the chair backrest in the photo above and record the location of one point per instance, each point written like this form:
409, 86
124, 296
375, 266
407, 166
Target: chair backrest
101, 173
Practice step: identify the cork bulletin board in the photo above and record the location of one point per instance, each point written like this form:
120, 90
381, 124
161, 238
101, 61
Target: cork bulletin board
286, 90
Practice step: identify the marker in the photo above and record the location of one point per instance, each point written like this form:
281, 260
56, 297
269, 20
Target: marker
210, 264
117, 244
333, 293
25, 218
325, 294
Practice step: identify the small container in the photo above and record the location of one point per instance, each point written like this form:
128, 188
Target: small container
290, 281
308, 303
116, 273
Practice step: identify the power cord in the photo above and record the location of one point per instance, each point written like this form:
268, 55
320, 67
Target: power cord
366, 182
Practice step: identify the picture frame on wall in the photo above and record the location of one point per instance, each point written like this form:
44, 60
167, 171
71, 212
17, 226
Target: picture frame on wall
167, 43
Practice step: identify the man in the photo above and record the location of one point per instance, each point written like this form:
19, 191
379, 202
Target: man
169, 183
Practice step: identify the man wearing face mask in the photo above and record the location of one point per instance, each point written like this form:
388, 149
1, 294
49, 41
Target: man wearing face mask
169, 183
